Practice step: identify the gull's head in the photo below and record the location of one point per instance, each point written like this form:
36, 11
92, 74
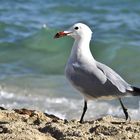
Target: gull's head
77, 31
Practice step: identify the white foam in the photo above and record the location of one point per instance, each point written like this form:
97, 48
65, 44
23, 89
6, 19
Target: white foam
57, 100
66, 108
6, 95
72, 108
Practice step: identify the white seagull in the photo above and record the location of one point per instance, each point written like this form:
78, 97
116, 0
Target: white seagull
92, 78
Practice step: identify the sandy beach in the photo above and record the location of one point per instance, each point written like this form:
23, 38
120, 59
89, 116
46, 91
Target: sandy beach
23, 124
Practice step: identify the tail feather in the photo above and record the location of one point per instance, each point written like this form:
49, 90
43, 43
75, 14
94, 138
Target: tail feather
136, 91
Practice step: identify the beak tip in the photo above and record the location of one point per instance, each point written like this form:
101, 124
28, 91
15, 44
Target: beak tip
56, 36
60, 34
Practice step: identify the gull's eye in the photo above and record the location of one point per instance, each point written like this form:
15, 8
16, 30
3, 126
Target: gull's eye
76, 28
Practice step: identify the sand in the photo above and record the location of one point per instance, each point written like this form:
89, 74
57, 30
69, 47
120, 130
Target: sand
26, 124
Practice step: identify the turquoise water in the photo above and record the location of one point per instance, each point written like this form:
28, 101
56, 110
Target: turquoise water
32, 62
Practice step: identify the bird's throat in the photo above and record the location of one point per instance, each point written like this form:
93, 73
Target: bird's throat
81, 50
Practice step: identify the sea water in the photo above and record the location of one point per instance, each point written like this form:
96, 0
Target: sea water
32, 62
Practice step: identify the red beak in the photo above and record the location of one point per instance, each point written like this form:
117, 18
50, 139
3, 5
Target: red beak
60, 34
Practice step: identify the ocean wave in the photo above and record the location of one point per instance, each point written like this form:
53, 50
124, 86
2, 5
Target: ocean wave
41, 53
67, 108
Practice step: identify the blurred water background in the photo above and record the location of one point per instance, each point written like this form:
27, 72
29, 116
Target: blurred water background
32, 62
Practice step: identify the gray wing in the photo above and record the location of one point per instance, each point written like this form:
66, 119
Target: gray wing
114, 78
91, 71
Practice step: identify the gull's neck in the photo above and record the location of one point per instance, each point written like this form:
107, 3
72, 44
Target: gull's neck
81, 50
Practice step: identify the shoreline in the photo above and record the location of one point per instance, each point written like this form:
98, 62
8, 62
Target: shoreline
20, 124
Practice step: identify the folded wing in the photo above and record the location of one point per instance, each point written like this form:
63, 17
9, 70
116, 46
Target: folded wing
114, 78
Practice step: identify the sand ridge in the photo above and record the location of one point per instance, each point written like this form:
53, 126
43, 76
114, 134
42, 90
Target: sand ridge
24, 124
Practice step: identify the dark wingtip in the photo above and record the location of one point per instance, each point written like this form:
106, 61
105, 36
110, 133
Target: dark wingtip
136, 91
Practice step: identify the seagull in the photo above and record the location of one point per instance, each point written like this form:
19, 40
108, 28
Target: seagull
93, 79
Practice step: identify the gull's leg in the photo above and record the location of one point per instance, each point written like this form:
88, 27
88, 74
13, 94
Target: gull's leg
84, 111
124, 110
